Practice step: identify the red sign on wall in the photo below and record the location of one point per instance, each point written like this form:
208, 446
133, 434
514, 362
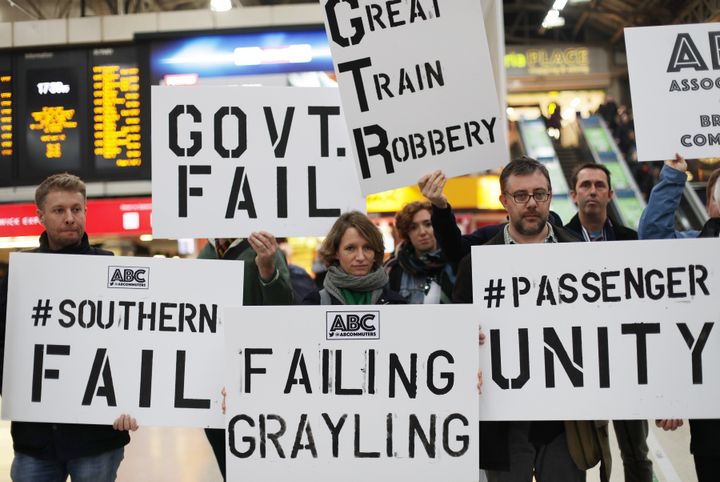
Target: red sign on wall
105, 217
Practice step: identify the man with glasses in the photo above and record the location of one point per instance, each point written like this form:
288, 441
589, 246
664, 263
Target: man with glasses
550, 450
591, 191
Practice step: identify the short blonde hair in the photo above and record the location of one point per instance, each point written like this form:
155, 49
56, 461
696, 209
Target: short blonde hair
367, 229
59, 182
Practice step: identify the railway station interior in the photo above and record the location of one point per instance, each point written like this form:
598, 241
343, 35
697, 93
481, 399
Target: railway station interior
561, 73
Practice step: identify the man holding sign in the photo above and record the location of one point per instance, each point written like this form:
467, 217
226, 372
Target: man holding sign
52, 452
554, 450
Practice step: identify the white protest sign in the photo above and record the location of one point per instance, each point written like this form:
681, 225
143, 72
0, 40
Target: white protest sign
616, 330
417, 89
675, 85
91, 337
352, 393
228, 161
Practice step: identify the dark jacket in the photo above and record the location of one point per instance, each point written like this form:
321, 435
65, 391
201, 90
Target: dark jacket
587, 440
613, 232
256, 293
60, 441
705, 434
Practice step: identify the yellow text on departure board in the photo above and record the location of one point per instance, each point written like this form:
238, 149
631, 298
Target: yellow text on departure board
52, 121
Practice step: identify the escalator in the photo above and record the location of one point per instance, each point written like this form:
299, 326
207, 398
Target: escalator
538, 145
629, 203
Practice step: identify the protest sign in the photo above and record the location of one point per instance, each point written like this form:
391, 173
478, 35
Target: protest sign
89, 338
675, 83
228, 161
417, 89
581, 331
352, 393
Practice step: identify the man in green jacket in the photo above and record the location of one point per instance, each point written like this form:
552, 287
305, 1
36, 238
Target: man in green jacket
266, 282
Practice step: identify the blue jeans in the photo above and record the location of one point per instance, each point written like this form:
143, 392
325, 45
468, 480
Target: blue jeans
98, 468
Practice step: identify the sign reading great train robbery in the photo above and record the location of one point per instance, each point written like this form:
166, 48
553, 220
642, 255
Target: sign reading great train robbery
624, 334
228, 161
675, 85
417, 88
91, 337
352, 393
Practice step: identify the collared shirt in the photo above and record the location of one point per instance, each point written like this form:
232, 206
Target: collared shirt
550, 238
599, 236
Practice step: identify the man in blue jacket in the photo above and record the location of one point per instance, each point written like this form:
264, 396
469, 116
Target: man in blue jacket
658, 219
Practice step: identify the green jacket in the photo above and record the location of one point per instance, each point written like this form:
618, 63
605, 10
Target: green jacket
255, 292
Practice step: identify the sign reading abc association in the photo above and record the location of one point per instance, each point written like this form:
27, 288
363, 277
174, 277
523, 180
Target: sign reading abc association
674, 75
379, 393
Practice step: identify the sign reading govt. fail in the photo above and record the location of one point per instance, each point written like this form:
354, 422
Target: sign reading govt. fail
675, 85
112, 335
228, 161
599, 330
417, 88
352, 393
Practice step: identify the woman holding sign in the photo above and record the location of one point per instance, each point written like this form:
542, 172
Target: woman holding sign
353, 251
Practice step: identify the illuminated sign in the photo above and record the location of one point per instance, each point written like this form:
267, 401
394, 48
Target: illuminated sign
116, 109
555, 61
6, 115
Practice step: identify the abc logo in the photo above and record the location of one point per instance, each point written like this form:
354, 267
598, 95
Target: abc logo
354, 324
127, 277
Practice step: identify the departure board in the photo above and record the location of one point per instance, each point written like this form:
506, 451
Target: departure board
6, 122
74, 110
116, 109
51, 113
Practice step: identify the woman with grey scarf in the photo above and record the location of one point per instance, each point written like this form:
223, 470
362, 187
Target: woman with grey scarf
353, 251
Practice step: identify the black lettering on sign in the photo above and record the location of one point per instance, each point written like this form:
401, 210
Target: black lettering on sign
304, 429
180, 400
298, 361
279, 142
463, 439
355, 22
272, 436
334, 431
397, 370
183, 191
324, 112
39, 373
240, 182
100, 364
696, 347
241, 141
417, 431
641, 330
449, 377
247, 439
173, 135
313, 210
358, 452
249, 370
553, 346
355, 67
146, 366
685, 55
496, 359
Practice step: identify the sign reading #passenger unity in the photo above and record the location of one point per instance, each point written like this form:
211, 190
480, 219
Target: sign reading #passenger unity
352, 393
585, 331
417, 89
228, 161
89, 338
675, 84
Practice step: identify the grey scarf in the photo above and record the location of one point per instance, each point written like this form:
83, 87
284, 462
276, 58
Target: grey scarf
337, 278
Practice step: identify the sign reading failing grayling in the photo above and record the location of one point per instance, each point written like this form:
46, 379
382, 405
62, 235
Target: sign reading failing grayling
417, 89
352, 393
228, 161
675, 85
624, 334
116, 335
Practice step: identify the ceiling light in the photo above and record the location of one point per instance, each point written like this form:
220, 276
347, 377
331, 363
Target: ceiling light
553, 19
559, 5
220, 5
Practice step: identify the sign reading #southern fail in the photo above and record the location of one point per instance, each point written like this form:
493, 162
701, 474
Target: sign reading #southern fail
352, 393
622, 330
91, 337
228, 161
675, 85
417, 88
